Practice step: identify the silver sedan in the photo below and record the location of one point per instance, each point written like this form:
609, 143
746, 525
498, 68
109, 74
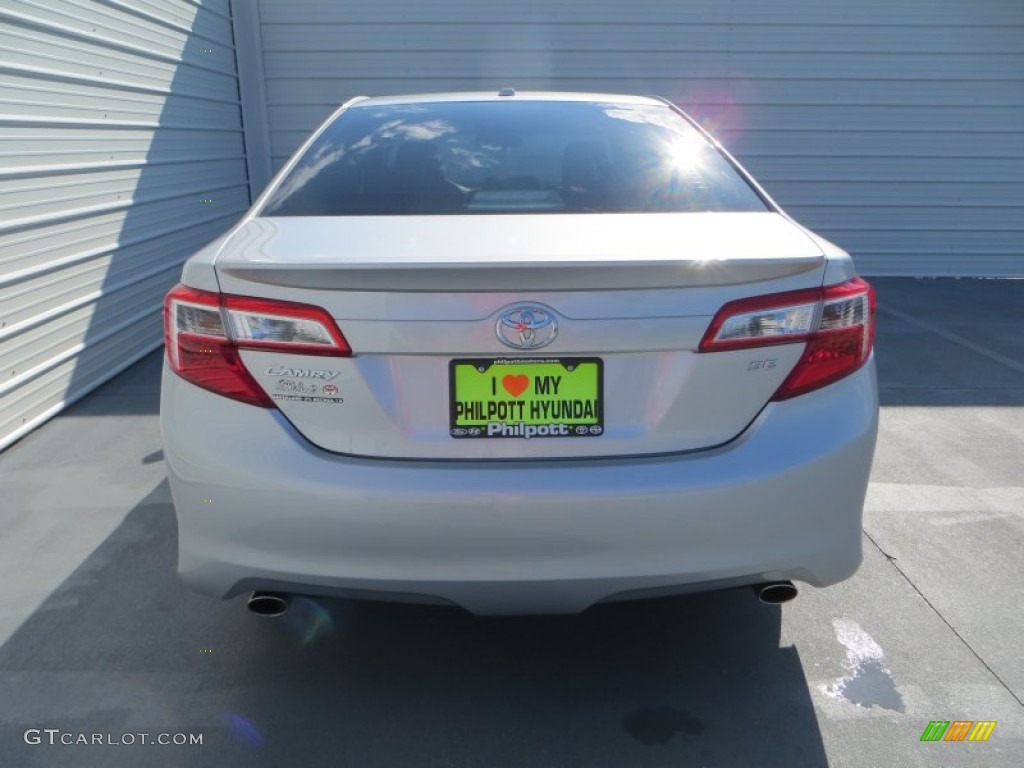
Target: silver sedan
520, 353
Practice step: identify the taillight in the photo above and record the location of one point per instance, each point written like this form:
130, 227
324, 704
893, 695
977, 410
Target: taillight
837, 323
203, 332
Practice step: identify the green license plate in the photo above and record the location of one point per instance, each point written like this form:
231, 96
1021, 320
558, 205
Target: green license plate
524, 398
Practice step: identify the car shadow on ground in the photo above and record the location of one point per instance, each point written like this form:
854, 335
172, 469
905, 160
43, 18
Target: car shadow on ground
121, 647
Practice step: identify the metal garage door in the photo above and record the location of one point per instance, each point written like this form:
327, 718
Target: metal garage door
894, 127
121, 153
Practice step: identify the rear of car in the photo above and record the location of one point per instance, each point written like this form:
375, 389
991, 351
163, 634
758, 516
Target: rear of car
519, 354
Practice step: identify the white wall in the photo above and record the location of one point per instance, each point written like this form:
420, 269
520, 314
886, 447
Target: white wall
121, 153
894, 127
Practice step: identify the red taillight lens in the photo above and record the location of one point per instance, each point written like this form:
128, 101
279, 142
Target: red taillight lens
203, 332
837, 323
214, 364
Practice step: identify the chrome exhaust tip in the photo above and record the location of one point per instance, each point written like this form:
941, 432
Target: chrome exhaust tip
775, 592
267, 603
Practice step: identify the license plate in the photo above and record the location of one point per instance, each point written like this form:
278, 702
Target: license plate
525, 398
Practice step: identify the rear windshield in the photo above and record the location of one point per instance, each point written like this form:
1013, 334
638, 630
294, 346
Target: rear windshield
510, 157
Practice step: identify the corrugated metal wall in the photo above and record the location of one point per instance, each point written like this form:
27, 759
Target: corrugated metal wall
121, 153
894, 127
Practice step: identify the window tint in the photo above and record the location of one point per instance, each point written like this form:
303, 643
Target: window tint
510, 157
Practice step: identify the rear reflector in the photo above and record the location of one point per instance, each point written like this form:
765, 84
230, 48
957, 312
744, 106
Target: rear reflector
836, 323
203, 332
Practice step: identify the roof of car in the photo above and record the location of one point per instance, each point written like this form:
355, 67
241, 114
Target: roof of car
422, 98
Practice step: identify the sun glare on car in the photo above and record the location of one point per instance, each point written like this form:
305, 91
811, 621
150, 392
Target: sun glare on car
686, 154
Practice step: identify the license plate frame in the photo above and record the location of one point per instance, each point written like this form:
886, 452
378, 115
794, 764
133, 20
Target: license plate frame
578, 416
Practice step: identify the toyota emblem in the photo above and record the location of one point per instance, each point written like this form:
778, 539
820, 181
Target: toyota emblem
526, 326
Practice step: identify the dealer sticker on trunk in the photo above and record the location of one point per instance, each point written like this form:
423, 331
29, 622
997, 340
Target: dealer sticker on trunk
526, 397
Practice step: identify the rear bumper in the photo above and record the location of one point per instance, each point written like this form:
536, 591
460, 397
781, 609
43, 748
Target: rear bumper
261, 508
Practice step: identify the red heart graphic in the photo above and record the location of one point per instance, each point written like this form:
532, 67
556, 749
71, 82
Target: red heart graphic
516, 385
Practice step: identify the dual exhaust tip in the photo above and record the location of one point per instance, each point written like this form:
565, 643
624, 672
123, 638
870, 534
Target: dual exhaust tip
273, 604
268, 603
775, 592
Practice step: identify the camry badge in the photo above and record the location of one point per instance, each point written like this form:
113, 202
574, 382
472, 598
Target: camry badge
526, 326
302, 373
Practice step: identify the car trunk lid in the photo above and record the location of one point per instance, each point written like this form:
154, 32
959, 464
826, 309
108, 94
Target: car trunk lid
632, 295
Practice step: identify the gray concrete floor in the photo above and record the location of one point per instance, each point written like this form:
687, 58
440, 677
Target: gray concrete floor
98, 636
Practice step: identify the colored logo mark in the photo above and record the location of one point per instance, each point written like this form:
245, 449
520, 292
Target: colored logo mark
958, 730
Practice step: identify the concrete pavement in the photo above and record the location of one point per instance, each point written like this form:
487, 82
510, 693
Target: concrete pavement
99, 637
